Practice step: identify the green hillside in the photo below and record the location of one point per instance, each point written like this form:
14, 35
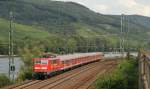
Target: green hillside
47, 21
21, 31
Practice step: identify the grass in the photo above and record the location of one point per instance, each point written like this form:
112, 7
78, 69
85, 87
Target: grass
85, 31
4, 80
21, 31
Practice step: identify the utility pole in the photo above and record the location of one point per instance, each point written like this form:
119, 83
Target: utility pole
122, 35
87, 45
11, 49
127, 39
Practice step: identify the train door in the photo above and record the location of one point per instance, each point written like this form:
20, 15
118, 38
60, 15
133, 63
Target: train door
73, 61
62, 64
55, 64
67, 62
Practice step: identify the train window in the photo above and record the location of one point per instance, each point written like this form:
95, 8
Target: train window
63, 62
54, 61
67, 62
44, 62
37, 61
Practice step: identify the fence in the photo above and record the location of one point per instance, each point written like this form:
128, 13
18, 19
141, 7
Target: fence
144, 70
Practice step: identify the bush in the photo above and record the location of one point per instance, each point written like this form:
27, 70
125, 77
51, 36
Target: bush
124, 77
24, 74
28, 52
4, 80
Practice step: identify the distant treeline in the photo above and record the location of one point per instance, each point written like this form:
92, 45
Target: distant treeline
64, 45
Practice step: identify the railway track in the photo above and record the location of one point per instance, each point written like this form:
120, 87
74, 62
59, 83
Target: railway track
23, 84
89, 83
53, 85
77, 81
56, 81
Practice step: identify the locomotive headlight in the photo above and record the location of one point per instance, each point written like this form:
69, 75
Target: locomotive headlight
36, 67
44, 68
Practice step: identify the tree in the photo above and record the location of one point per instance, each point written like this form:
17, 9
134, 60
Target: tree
28, 52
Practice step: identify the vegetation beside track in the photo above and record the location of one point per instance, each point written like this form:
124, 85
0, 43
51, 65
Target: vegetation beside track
27, 53
125, 76
4, 80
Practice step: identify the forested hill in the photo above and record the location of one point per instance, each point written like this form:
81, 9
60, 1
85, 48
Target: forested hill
46, 19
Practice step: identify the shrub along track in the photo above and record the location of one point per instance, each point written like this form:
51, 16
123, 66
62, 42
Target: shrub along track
81, 77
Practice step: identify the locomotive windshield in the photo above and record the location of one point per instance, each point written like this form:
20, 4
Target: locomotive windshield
48, 55
41, 61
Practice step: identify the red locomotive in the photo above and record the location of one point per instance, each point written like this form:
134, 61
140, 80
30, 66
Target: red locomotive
47, 65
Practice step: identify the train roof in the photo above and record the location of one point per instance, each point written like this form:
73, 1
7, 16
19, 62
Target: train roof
69, 56
75, 55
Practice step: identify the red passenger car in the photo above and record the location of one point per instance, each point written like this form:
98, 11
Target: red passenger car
47, 65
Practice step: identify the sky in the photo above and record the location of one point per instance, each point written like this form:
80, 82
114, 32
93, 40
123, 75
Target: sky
117, 7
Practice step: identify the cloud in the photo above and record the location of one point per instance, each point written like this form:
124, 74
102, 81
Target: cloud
134, 7
145, 10
117, 6
100, 8
127, 3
